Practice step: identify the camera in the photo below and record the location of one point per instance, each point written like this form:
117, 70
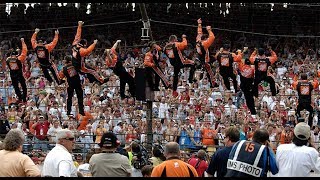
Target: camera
140, 156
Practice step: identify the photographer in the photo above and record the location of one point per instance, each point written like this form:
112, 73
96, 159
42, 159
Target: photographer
157, 156
139, 159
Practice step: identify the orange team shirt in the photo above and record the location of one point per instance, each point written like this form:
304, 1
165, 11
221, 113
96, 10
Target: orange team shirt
85, 120
174, 168
206, 43
246, 71
50, 46
83, 51
273, 58
21, 57
181, 45
208, 136
148, 60
315, 83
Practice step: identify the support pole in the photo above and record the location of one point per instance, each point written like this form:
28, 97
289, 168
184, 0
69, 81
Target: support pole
148, 91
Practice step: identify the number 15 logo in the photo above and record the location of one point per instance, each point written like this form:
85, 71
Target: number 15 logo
249, 147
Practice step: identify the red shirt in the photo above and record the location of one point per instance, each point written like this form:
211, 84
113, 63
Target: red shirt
201, 167
41, 130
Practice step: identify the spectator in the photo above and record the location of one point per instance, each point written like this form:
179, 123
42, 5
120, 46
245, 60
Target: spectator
4, 127
297, 159
108, 162
59, 162
173, 166
147, 170
218, 163
84, 168
16, 164
86, 140
199, 162
52, 132
41, 128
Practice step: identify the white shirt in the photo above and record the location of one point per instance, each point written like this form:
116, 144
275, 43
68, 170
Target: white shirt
295, 161
163, 110
87, 140
53, 132
58, 162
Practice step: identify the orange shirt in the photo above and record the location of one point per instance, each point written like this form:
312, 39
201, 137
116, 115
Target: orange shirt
208, 136
246, 70
273, 58
83, 51
50, 46
84, 121
174, 168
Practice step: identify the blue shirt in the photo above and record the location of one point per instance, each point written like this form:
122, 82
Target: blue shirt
219, 161
184, 141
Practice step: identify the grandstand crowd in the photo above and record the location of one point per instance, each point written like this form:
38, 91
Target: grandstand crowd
196, 114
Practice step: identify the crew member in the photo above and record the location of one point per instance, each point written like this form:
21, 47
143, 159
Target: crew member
79, 52
152, 68
304, 88
74, 84
14, 62
43, 54
203, 43
246, 83
114, 63
262, 63
173, 50
226, 59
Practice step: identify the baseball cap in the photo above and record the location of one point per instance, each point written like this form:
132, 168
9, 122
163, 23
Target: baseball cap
64, 134
302, 131
82, 132
109, 140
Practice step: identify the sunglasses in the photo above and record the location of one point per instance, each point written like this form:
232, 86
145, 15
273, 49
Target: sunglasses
70, 139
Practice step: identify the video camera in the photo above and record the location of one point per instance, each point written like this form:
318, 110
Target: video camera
140, 155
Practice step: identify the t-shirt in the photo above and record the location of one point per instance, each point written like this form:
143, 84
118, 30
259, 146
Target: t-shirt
219, 161
16, 164
109, 165
41, 130
199, 165
174, 168
295, 161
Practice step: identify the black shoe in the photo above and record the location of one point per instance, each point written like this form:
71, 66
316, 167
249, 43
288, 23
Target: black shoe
124, 97
105, 80
192, 81
61, 82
